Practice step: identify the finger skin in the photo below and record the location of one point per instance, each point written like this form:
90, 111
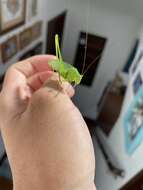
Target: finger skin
34, 65
36, 81
21, 71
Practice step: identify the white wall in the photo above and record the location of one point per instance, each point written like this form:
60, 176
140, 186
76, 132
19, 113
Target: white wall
121, 32
141, 32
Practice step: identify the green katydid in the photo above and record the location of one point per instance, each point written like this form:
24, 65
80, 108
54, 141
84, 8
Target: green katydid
67, 71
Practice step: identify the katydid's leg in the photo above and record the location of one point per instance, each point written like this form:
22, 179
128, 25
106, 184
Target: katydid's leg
60, 80
58, 47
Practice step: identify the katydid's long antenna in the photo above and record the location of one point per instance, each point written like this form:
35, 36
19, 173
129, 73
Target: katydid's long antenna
86, 39
91, 64
58, 51
56, 47
85, 53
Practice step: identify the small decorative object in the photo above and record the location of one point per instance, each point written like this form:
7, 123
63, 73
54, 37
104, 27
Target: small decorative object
25, 38
9, 48
137, 83
12, 14
133, 123
36, 30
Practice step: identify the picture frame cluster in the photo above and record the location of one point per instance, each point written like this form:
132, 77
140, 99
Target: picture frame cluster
12, 15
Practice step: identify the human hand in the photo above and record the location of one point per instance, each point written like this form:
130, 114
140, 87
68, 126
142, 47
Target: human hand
46, 138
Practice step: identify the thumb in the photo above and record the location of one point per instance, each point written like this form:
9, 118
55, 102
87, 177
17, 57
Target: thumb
15, 92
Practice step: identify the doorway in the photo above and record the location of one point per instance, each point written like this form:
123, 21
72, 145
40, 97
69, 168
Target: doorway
55, 26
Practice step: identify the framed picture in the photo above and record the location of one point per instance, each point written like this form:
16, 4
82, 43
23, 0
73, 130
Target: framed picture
133, 123
12, 14
25, 38
9, 48
36, 30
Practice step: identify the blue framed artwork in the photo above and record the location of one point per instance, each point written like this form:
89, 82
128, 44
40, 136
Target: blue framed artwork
133, 123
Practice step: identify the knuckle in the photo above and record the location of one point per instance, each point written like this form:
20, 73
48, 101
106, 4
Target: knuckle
10, 69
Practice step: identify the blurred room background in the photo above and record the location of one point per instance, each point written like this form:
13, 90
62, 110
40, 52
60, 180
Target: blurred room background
110, 96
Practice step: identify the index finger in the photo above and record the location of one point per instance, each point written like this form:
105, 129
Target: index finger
34, 65
18, 73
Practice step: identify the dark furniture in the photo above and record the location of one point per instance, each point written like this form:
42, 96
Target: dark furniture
135, 183
109, 111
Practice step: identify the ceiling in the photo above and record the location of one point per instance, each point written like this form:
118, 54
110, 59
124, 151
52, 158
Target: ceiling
131, 7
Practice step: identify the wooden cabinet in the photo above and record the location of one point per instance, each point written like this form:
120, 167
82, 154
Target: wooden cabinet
110, 111
108, 114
